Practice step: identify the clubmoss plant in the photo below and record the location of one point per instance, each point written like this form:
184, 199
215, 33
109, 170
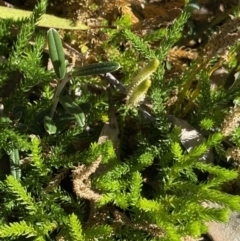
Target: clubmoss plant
67, 175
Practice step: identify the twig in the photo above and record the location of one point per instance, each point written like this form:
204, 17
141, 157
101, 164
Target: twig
113, 81
60, 87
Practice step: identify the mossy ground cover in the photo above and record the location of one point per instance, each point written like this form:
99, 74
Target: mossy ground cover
125, 155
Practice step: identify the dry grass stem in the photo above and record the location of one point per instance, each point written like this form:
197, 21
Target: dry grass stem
56, 180
228, 35
153, 229
234, 153
82, 182
231, 121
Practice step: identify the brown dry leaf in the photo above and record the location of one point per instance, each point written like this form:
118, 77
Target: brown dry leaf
181, 53
168, 11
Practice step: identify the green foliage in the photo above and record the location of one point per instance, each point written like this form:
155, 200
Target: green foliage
132, 177
236, 137
75, 228
21, 194
15, 164
17, 229
206, 124
27, 31
56, 53
36, 157
96, 69
138, 44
